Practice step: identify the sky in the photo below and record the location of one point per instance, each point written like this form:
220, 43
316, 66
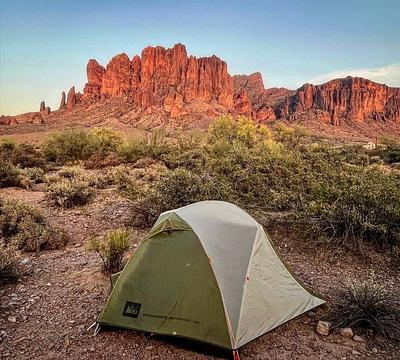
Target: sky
45, 44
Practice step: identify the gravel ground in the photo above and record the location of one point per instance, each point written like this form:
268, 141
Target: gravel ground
46, 313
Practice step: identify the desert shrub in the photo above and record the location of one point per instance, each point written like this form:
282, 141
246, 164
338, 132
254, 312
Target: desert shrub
242, 129
31, 176
111, 249
68, 193
7, 149
26, 156
369, 306
102, 142
357, 204
390, 152
74, 145
26, 227
9, 174
21, 155
66, 146
175, 188
9, 257
151, 145
130, 151
194, 158
92, 178
291, 136
98, 161
154, 144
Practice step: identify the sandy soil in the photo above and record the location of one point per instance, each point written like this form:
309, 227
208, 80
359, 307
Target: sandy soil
63, 291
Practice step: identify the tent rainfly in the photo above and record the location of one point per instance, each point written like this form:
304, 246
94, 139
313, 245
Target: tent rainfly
209, 272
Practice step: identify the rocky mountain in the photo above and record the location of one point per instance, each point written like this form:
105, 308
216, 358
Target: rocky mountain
169, 86
354, 99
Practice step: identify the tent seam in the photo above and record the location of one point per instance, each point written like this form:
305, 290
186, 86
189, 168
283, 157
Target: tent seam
245, 284
228, 322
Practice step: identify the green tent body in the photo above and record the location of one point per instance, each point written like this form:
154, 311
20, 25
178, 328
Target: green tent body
208, 272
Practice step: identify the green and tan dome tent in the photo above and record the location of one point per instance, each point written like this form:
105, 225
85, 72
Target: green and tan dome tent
208, 272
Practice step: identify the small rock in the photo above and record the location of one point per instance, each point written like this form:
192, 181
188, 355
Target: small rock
374, 350
12, 319
355, 352
323, 328
358, 338
306, 320
347, 332
25, 261
311, 313
48, 284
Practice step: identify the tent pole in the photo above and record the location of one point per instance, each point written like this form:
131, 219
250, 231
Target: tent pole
235, 354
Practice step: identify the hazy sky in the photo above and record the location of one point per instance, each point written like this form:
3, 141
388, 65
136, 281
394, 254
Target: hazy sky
45, 44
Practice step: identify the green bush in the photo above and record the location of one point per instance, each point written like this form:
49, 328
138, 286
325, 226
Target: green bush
390, 152
26, 156
152, 145
111, 249
368, 306
74, 145
68, 193
26, 227
66, 146
175, 188
357, 204
9, 174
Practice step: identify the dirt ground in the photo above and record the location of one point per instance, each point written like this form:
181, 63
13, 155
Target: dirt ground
63, 291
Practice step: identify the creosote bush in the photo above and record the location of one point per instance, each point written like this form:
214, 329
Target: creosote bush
368, 306
68, 193
111, 249
24, 226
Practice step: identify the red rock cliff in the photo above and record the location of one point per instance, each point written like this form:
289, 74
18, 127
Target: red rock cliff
354, 99
166, 78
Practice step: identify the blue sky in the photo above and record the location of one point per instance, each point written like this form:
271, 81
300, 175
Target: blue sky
45, 44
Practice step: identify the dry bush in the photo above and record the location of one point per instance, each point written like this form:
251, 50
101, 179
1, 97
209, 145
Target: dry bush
68, 193
25, 226
98, 161
111, 249
9, 174
92, 178
9, 258
21, 155
368, 306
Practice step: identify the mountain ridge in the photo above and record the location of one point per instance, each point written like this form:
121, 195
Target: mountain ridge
166, 85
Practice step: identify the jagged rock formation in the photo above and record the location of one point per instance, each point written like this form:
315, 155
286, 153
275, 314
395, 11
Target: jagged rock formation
62, 102
166, 79
163, 85
354, 99
252, 99
71, 98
